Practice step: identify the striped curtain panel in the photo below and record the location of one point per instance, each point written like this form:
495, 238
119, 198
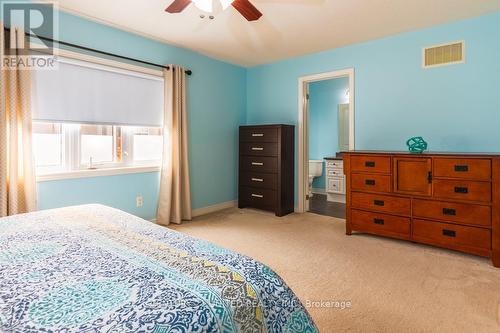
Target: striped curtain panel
17, 175
174, 204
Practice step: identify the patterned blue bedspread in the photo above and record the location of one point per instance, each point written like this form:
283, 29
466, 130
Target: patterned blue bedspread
96, 269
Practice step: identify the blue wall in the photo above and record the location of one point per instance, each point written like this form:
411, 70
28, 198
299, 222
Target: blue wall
324, 98
216, 104
455, 108
116, 191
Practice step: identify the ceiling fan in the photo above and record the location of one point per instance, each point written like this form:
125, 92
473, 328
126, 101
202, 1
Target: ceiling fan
245, 7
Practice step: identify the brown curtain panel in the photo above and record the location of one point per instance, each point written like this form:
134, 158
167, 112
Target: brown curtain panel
17, 175
175, 194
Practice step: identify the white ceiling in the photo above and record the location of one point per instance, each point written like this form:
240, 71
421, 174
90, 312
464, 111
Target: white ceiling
288, 27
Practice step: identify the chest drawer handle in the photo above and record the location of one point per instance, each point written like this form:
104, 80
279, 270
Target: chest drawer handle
461, 168
258, 163
257, 195
449, 233
257, 179
449, 211
462, 190
378, 202
257, 135
370, 182
369, 164
379, 221
257, 148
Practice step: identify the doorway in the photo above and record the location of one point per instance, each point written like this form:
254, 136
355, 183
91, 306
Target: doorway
326, 128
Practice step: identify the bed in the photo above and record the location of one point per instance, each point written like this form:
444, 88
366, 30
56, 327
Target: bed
93, 268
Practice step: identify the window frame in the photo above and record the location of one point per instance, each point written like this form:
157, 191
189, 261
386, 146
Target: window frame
48, 169
71, 157
129, 138
77, 146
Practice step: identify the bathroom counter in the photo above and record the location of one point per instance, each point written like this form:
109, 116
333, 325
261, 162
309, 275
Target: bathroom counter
337, 157
334, 158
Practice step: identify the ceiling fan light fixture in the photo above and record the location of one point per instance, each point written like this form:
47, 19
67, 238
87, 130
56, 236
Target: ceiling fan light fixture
204, 5
244, 7
226, 3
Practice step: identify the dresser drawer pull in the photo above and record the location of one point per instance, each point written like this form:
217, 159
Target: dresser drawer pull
257, 135
463, 190
257, 179
461, 168
449, 233
370, 182
258, 163
449, 211
369, 164
379, 221
257, 148
257, 195
378, 202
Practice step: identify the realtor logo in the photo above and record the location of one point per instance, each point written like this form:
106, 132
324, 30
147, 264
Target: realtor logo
38, 21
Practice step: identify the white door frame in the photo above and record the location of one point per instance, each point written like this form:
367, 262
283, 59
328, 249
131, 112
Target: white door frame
304, 126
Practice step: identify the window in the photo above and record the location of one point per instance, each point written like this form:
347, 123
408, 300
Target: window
96, 114
66, 147
98, 144
48, 146
148, 144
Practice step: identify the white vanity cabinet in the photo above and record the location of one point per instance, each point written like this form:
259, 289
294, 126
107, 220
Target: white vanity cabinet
335, 180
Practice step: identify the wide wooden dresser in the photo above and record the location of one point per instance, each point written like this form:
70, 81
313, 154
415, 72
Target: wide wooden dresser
266, 172
450, 200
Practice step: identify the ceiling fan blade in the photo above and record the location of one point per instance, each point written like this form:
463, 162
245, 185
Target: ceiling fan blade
178, 6
246, 9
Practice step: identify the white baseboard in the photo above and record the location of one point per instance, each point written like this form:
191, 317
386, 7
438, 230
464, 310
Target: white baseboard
210, 209
214, 208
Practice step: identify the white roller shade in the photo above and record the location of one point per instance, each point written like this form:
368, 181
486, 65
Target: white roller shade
84, 92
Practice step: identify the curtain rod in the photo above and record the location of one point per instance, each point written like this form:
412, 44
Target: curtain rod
188, 72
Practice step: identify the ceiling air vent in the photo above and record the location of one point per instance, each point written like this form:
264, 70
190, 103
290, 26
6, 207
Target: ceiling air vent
447, 54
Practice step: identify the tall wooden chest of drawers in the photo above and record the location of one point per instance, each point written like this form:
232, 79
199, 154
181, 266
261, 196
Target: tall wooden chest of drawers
447, 200
266, 172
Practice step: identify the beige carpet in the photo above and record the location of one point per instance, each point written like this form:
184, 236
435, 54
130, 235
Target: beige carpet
394, 286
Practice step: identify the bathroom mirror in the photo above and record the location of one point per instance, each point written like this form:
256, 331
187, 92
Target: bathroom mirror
343, 127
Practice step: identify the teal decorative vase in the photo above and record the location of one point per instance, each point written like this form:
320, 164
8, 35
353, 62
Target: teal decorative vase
416, 145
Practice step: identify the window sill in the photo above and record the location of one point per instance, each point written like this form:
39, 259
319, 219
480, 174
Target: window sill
96, 173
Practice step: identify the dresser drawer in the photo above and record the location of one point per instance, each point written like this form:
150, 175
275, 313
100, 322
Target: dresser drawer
453, 212
475, 169
258, 198
259, 134
381, 224
259, 164
462, 190
371, 182
381, 203
469, 239
259, 180
376, 164
259, 148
